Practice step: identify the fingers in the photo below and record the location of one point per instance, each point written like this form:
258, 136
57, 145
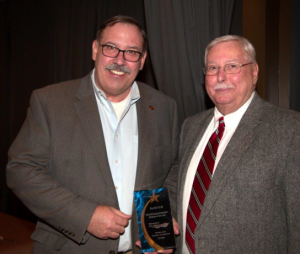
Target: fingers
122, 219
138, 244
175, 227
108, 222
116, 222
165, 251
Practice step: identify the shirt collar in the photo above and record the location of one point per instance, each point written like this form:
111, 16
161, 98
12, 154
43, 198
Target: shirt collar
232, 120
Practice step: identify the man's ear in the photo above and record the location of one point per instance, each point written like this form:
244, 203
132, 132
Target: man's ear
95, 47
143, 58
255, 71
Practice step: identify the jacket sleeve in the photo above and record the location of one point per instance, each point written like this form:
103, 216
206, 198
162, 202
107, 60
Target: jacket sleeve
291, 194
172, 179
29, 177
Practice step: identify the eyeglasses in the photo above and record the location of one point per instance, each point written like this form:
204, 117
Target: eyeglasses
113, 52
231, 68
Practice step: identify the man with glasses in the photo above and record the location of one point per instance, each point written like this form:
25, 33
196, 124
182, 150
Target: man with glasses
87, 144
239, 163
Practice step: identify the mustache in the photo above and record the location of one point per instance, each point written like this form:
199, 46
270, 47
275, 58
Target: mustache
117, 67
223, 86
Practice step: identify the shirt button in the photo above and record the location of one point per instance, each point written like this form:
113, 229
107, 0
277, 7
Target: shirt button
117, 187
116, 161
117, 136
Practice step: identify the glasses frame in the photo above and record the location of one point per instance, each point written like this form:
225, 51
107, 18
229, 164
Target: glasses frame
120, 50
241, 65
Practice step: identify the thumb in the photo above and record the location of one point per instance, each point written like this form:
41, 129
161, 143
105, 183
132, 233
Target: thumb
123, 215
138, 243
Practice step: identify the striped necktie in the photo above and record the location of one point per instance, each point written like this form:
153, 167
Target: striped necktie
201, 184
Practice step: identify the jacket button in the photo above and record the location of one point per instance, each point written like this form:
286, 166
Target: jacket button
112, 252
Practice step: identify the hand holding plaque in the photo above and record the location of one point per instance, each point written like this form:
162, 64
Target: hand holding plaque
154, 219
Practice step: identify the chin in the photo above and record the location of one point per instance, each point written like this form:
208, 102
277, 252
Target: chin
223, 101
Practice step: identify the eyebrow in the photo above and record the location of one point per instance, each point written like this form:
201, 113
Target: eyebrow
115, 45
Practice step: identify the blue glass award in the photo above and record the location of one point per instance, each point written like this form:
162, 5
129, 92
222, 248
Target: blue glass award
154, 219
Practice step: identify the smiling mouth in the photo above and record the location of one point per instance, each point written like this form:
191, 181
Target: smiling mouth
117, 72
117, 69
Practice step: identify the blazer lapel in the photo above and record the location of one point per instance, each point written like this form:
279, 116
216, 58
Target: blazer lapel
192, 138
146, 116
237, 146
193, 141
88, 114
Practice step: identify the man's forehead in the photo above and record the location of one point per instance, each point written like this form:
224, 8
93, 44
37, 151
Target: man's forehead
113, 32
232, 50
121, 27
227, 61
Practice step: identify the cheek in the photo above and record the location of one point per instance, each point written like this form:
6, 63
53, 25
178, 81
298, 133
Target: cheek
102, 62
209, 86
210, 82
233, 78
241, 77
240, 84
134, 68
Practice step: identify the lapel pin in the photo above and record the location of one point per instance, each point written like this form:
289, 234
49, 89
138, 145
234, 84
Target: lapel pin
151, 107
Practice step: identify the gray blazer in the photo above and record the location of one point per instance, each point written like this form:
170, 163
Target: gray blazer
253, 203
58, 163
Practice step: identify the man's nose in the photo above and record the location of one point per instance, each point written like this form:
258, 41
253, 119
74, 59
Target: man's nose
120, 58
221, 75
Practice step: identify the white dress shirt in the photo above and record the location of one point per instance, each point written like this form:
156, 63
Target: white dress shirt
231, 122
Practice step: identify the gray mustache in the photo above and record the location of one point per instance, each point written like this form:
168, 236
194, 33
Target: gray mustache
222, 86
117, 67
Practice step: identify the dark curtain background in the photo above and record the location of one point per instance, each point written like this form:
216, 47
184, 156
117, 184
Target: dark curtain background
179, 31
45, 42
295, 53
48, 41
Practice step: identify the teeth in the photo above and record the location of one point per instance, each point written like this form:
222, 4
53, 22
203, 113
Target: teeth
117, 72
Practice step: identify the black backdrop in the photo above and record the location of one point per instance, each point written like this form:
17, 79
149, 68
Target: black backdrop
45, 42
49, 41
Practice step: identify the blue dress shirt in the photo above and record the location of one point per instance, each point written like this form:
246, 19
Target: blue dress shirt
121, 140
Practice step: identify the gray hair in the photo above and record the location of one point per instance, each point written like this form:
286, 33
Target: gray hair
245, 44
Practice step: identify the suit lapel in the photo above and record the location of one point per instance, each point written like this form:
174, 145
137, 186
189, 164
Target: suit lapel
191, 141
146, 118
199, 127
237, 146
88, 114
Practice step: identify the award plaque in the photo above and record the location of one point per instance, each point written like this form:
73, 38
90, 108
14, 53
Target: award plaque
154, 219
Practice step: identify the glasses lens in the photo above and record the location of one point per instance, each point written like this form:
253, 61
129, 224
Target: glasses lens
109, 51
132, 56
129, 55
232, 68
211, 70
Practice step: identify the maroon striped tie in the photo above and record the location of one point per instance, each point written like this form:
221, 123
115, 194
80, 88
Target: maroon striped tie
201, 184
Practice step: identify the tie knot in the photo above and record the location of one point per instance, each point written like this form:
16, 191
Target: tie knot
221, 122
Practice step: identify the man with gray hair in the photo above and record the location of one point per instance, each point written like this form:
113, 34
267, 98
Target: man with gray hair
239, 163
